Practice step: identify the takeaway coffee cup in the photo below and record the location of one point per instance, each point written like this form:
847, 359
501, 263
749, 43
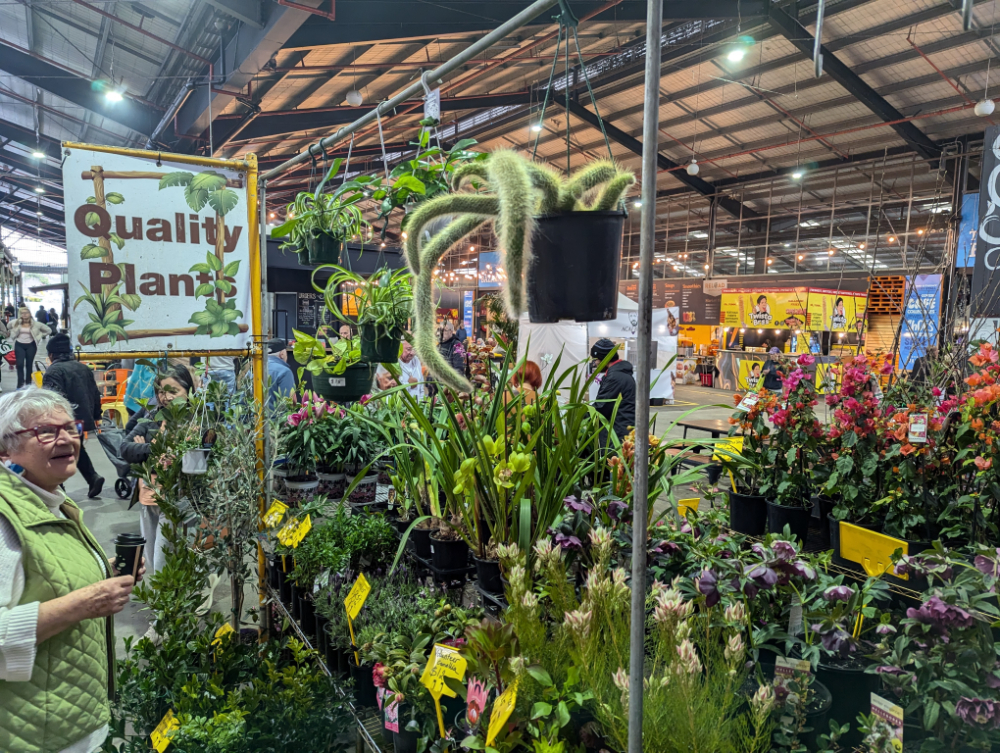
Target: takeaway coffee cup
128, 554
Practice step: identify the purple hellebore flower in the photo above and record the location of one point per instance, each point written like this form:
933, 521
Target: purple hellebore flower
762, 575
666, 547
572, 502
707, 584
887, 670
902, 568
616, 508
784, 550
838, 593
982, 712
885, 629
835, 639
758, 549
568, 542
992, 681
988, 565
940, 615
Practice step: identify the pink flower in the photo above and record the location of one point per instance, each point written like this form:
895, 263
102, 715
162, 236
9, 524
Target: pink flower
806, 360
936, 391
983, 464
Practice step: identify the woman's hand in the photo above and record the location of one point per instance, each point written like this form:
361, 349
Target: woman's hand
138, 439
104, 598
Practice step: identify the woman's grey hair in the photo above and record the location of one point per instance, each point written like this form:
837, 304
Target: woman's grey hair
19, 409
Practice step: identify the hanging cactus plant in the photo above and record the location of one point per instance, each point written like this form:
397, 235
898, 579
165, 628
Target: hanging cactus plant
511, 193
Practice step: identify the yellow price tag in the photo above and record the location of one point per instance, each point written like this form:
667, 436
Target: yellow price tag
223, 631
294, 531
731, 445
444, 662
161, 735
275, 513
873, 551
684, 505
356, 598
503, 707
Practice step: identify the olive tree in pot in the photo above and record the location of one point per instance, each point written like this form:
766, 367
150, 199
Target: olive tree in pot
384, 304
317, 224
521, 197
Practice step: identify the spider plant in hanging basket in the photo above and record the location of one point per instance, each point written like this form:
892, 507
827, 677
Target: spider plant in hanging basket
320, 223
561, 236
384, 304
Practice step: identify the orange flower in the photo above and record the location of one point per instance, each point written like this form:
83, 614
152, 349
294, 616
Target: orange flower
737, 399
907, 449
733, 421
973, 380
983, 464
977, 424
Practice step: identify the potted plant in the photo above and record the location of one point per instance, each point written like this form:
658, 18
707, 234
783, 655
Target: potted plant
335, 366
533, 208
743, 457
318, 224
384, 305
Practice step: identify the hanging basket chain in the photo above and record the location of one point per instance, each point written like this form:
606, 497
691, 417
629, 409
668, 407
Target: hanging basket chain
593, 98
548, 91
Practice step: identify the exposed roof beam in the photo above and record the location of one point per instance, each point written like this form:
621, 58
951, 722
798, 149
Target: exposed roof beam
296, 121
23, 135
248, 11
102, 46
802, 40
703, 187
358, 21
76, 89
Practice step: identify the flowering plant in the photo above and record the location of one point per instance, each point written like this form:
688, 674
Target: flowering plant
942, 664
748, 465
309, 432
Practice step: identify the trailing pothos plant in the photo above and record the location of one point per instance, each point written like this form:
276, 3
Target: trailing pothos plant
336, 214
323, 355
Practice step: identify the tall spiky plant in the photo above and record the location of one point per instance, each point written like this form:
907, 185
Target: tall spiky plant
516, 192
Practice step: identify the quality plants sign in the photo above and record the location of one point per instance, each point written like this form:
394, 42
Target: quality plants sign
159, 252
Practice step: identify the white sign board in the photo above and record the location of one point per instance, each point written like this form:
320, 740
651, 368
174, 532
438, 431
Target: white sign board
159, 253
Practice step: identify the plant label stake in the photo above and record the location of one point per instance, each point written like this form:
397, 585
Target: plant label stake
892, 715
353, 603
275, 513
684, 506
918, 429
445, 662
503, 707
294, 531
160, 736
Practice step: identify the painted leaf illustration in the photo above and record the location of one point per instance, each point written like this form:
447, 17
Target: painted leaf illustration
92, 219
232, 268
196, 198
92, 251
234, 329
223, 200
203, 268
206, 288
117, 240
224, 285
91, 199
214, 262
175, 179
209, 180
202, 317
231, 315
202, 330
114, 198
131, 301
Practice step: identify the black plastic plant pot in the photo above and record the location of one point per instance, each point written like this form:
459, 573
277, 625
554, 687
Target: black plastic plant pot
347, 387
574, 267
344, 661
324, 249
303, 257
379, 346
401, 524
747, 513
421, 538
386, 733
364, 685
284, 586
293, 607
321, 635
818, 716
307, 615
851, 691
273, 570
403, 741
796, 518
826, 505
449, 555
488, 575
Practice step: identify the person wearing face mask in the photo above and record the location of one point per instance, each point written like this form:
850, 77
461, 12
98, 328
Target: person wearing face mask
27, 335
57, 594
172, 382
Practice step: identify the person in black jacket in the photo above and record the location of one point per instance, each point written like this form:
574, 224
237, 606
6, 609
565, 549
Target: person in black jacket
75, 382
617, 382
451, 348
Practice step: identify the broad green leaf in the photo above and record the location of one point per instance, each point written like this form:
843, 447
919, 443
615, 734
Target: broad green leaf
201, 317
223, 200
180, 178
92, 219
195, 198
232, 268
224, 285
132, 301
202, 268
540, 676
208, 180
541, 709
213, 261
93, 251
91, 199
231, 315
117, 240
234, 329
114, 198
219, 329
202, 328
284, 228
206, 288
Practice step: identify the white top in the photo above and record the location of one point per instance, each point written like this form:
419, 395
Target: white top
19, 624
24, 334
408, 371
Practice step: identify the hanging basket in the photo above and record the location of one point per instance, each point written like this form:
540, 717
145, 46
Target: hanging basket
379, 346
347, 387
195, 462
324, 249
303, 255
574, 267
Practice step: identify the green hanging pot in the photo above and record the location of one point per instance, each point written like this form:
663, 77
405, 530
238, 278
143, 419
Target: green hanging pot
324, 249
379, 345
303, 255
347, 387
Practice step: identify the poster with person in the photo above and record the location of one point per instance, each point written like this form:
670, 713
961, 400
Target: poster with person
764, 307
159, 250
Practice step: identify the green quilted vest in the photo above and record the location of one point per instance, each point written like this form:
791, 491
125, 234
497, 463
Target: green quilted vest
72, 680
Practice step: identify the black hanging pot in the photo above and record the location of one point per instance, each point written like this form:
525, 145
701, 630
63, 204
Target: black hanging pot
324, 248
449, 555
303, 255
379, 345
488, 575
347, 387
796, 518
748, 513
573, 272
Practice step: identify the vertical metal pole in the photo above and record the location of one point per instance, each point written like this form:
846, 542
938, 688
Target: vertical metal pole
640, 484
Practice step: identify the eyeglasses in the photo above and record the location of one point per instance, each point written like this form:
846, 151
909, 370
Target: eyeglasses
49, 433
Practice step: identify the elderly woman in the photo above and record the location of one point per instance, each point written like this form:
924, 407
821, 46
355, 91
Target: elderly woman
57, 596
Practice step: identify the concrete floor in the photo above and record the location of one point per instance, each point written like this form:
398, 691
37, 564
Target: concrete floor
109, 516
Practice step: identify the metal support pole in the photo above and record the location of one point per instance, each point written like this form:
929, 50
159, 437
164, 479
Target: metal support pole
818, 45
640, 484
521, 19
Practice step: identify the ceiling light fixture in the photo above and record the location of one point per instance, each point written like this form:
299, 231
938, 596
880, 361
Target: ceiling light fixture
472, 249
536, 128
693, 168
984, 108
38, 154
637, 204
736, 55
354, 98
797, 175
892, 239
113, 95
39, 189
